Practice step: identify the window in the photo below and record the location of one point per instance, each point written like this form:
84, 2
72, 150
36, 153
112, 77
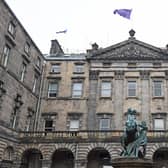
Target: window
48, 125
131, 88
5, 57
27, 48
79, 68
23, 71
35, 84
53, 89
38, 63
104, 124
159, 124
106, 89
55, 68
77, 89
74, 125
157, 88
11, 28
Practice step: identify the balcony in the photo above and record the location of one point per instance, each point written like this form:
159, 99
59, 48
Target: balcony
86, 136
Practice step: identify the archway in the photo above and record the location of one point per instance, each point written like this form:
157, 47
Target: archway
98, 157
160, 158
31, 158
62, 158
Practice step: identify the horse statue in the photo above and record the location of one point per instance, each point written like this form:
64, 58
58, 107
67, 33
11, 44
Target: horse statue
134, 139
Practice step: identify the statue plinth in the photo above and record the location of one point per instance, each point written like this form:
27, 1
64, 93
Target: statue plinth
131, 162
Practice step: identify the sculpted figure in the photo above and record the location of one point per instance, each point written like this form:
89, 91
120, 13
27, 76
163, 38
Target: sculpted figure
134, 139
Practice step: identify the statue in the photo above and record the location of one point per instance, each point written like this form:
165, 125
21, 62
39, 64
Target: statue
134, 139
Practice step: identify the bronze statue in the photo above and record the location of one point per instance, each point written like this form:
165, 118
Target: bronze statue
134, 139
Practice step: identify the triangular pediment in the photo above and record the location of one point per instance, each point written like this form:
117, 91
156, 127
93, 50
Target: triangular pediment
130, 49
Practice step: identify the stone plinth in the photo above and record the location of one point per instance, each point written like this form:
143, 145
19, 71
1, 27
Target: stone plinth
131, 162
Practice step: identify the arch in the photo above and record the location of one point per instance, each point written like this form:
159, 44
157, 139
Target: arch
98, 157
63, 158
160, 157
8, 153
31, 158
105, 146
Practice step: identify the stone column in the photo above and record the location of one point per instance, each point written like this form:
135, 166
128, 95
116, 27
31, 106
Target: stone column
145, 96
118, 98
80, 164
46, 163
93, 83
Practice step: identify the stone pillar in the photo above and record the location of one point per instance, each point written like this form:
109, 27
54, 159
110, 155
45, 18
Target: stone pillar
80, 164
118, 99
46, 163
145, 96
131, 162
93, 83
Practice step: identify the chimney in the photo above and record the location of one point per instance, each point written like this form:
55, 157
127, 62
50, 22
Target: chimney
55, 48
95, 46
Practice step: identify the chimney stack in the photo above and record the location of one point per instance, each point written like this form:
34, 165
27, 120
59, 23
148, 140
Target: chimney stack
55, 48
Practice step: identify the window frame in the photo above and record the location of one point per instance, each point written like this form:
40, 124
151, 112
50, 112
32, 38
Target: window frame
101, 123
56, 90
12, 28
108, 89
154, 124
74, 128
49, 129
57, 68
23, 71
77, 90
27, 48
154, 89
5, 55
35, 84
131, 89
79, 68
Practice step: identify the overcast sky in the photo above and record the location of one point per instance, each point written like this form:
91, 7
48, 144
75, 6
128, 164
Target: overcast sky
89, 21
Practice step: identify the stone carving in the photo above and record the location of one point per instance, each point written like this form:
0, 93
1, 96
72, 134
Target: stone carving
134, 139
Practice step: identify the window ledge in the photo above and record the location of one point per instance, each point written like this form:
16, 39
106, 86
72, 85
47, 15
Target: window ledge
132, 97
54, 72
78, 72
110, 98
158, 97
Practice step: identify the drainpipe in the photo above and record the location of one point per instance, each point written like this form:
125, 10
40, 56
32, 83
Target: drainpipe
38, 109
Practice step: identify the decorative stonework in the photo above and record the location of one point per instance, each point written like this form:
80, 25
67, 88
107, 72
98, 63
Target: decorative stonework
144, 74
93, 75
119, 75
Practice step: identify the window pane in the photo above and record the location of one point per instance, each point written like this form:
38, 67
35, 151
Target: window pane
79, 68
77, 90
159, 124
53, 89
104, 124
131, 88
6, 52
11, 28
55, 68
74, 125
157, 88
106, 89
48, 125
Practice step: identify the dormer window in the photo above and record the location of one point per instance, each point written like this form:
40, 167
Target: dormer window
11, 28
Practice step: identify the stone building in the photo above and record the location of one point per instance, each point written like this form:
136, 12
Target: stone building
68, 110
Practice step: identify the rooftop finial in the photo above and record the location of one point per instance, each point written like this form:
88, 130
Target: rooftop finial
132, 33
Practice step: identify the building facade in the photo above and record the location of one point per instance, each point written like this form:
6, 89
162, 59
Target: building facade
69, 110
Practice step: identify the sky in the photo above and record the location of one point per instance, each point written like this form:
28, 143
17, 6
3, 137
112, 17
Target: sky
90, 21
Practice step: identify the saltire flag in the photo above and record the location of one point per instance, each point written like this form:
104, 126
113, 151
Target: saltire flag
63, 31
126, 13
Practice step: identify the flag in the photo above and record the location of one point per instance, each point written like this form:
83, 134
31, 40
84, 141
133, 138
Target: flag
63, 31
126, 13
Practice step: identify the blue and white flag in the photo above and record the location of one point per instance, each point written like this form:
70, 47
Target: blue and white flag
126, 13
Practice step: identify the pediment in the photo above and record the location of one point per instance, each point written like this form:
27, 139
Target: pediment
130, 49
